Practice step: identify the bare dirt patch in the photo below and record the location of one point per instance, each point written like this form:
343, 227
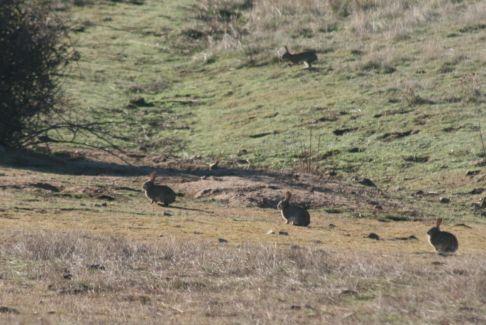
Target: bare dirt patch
264, 190
231, 186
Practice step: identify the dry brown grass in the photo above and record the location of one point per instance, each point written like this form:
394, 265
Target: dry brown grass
187, 281
131, 263
267, 25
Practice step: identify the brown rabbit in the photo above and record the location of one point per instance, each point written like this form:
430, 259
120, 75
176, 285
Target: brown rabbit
292, 214
158, 193
307, 57
443, 242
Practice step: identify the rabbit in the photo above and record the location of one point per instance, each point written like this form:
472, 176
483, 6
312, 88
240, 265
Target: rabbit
292, 214
307, 57
158, 193
443, 242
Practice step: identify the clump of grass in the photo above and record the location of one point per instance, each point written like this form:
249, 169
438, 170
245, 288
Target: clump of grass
470, 86
410, 94
378, 66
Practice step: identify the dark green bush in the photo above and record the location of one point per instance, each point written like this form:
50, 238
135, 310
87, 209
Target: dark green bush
33, 50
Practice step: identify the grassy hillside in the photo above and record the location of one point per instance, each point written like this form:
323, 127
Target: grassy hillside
396, 94
399, 78
396, 97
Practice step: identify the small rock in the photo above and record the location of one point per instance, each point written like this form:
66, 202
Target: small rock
444, 200
283, 233
96, 267
367, 182
347, 292
343, 131
242, 152
374, 236
67, 274
411, 237
355, 149
46, 186
296, 307
459, 272
197, 233
331, 225
473, 172
476, 191
222, 240
271, 232
8, 310
168, 213
105, 197
139, 102
437, 263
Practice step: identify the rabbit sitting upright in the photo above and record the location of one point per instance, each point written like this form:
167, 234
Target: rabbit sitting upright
444, 242
292, 214
158, 193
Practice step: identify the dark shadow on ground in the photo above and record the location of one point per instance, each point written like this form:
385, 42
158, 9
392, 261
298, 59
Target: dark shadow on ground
187, 209
64, 165
265, 194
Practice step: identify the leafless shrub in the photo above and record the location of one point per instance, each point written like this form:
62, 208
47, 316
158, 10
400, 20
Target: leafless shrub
309, 154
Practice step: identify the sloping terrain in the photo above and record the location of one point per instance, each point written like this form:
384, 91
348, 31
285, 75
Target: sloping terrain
380, 138
397, 100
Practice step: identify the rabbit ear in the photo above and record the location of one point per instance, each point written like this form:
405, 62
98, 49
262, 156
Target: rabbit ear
439, 221
286, 49
152, 176
288, 195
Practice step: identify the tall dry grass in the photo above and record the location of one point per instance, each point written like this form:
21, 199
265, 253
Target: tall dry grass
206, 281
262, 27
